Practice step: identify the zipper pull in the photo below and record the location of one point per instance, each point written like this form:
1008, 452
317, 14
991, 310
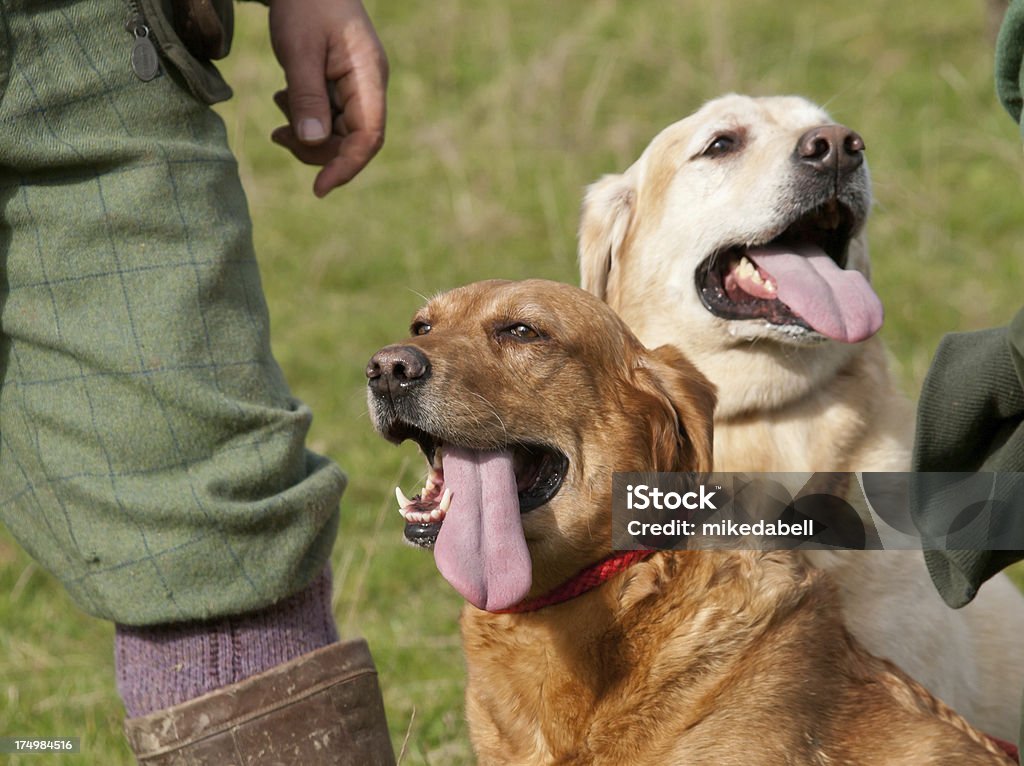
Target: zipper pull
145, 61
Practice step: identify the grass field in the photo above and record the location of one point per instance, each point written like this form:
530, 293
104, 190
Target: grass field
500, 113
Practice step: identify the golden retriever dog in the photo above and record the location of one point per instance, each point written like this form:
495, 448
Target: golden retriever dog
525, 397
739, 237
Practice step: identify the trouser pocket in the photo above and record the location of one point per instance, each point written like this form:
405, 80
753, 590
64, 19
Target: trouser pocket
185, 35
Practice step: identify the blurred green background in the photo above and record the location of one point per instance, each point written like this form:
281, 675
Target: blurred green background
500, 114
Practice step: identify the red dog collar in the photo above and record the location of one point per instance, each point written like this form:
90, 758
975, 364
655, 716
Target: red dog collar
1007, 747
581, 582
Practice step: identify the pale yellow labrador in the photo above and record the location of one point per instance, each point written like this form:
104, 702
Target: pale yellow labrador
739, 236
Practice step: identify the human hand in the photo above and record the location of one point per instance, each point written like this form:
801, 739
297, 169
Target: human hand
325, 44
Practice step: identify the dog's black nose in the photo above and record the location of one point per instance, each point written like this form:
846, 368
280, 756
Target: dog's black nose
830, 149
396, 369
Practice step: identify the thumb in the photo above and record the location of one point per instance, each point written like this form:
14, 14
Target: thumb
309, 108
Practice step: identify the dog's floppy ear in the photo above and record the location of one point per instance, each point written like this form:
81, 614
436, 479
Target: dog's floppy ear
682, 426
607, 212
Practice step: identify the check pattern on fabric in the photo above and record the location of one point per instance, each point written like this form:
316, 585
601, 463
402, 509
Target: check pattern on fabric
151, 455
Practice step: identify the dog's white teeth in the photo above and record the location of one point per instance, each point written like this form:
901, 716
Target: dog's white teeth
435, 515
433, 483
746, 270
446, 501
437, 458
403, 501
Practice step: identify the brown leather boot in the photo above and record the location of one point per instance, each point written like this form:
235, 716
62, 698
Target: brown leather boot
321, 709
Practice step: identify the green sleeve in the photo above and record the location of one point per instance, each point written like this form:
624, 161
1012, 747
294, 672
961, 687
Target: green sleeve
971, 418
1009, 60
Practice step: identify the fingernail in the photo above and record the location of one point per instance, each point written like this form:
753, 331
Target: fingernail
311, 129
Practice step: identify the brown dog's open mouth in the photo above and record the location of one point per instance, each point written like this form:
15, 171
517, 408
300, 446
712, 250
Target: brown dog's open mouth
539, 472
795, 279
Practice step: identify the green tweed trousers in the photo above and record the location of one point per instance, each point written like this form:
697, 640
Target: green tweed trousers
151, 454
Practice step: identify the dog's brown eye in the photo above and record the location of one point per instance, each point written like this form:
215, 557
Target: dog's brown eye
521, 332
721, 145
420, 328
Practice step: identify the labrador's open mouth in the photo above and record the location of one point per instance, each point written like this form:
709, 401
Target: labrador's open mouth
470, 512
795, 279
539, 472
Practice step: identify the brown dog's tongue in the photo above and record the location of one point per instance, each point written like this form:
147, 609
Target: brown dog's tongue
838, 303
481, 549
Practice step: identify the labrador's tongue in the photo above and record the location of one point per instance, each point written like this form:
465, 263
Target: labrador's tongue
839, 304
481, 549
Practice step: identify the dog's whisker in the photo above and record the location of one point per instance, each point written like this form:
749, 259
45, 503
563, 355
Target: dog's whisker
494, 412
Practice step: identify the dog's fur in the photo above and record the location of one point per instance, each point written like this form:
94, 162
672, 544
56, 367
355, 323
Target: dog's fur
700, 658
789, 400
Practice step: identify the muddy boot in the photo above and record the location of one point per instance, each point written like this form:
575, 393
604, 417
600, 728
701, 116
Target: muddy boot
323, 708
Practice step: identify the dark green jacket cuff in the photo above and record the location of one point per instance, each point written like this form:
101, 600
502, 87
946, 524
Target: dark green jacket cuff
971, 418
1009, 60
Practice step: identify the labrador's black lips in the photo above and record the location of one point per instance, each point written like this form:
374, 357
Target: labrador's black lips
399, 431
422, 535
540, 472
829, 227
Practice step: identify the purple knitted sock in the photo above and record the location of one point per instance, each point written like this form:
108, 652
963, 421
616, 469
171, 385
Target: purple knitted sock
162, 665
